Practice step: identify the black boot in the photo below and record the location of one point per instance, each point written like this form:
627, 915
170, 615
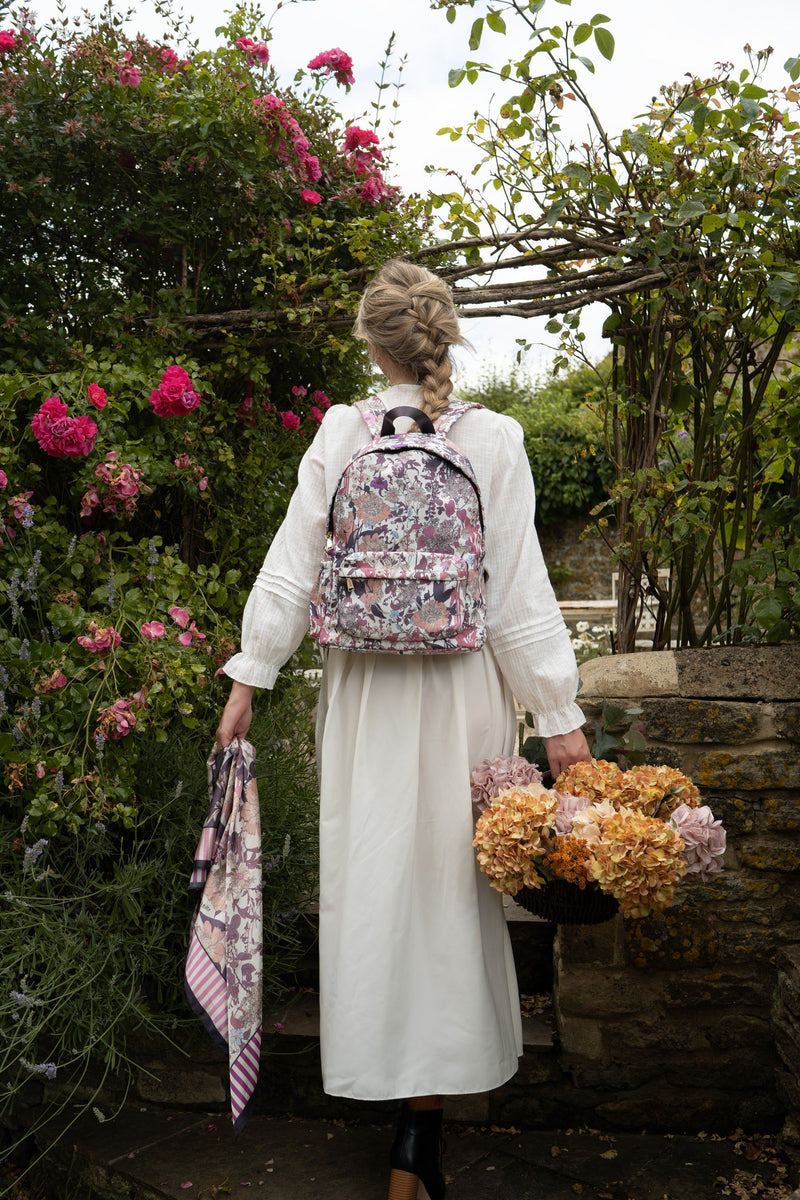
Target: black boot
417, 1148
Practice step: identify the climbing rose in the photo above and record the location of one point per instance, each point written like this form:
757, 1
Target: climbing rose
117, 720
153, 629
99, 638
60, 435
8, 39
175, 395
257, 52
290, 420
334, 62
129, 76
3, 479
179, 616
310, 197
321, 399
316, 415
97, 396
185, 638
356, 138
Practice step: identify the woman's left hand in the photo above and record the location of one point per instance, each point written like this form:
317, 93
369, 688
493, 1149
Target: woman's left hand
565, 749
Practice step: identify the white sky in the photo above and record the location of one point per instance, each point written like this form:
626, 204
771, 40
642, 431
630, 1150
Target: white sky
656, 43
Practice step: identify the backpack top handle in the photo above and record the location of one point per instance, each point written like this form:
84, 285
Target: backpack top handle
422, 419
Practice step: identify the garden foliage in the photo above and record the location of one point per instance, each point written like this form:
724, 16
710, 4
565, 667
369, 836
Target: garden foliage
697, 201
146, 462
563, 435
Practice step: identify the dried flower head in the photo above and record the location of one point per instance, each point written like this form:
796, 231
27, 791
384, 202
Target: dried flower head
512, 836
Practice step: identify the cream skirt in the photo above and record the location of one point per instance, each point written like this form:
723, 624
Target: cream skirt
418, 993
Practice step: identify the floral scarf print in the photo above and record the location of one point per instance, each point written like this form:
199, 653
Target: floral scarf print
223, 965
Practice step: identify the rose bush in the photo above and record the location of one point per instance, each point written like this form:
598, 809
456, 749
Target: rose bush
150, 446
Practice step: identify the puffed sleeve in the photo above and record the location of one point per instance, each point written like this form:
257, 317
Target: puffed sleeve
525, 627
276, 614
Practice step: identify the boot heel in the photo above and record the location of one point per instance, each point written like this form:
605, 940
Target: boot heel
402, 1185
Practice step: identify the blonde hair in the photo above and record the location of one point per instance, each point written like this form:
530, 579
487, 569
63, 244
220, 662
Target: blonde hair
408, 313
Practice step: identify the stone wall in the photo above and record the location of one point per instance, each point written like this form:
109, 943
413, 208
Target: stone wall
667, 1023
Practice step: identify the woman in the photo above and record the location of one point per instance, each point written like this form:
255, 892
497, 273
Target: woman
418, 995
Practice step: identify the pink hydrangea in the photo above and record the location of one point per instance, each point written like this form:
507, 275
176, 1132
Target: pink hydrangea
494, 775
153, 629
334, 62
60, 435
100, 638
309, 196
704, 839
290, 420
8, 40
568, 806
97, 396
175, 395
256, 52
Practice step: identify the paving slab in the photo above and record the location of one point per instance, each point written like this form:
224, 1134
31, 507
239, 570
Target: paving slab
154, 1155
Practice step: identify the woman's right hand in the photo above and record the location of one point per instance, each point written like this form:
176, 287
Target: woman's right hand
236, 716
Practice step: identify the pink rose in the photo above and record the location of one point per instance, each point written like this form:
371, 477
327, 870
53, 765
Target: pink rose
3, 479
321, 399
317, 415
290, 420
308, 196
8, 39
175, 394
129, 76
356, 139
153, 629
60, 435
704, 840
168, 59
298, 391
185, 638
99, 638
97, 396
334, 62
179, 616
203, 484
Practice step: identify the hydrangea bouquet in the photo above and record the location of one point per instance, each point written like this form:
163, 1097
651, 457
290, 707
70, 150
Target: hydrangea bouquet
629, 835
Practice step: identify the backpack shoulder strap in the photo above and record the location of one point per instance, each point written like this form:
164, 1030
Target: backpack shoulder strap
455, 410
373, 413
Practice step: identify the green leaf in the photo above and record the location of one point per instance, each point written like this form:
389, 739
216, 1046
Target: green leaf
699, 119
792, 65
450, 15
712, 222
691, 209
582, 34
455, 77
495, 22
587, 62
600, 19
476, 34
605, 42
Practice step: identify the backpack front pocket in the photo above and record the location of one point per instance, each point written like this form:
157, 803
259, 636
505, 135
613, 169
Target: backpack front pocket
402, 597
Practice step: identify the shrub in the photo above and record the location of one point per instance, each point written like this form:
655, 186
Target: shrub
563, 435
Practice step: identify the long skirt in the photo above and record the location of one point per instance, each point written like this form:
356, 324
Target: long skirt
418, 993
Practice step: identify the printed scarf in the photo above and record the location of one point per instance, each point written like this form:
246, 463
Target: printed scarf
223, 965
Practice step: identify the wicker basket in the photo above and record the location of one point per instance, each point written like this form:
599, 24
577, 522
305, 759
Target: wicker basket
568, 904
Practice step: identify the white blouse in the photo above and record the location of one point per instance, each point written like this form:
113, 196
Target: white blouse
525, 629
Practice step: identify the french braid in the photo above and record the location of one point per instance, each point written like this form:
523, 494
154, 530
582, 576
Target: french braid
408, 313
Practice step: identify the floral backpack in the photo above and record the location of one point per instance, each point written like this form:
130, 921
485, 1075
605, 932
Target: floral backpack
403, 567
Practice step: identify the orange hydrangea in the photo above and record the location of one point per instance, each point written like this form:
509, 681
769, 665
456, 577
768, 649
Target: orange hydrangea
638, 860
512, 836
658, 791
569, 859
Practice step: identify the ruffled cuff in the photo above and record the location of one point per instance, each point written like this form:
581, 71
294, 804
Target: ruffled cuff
246, 669
560, 720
